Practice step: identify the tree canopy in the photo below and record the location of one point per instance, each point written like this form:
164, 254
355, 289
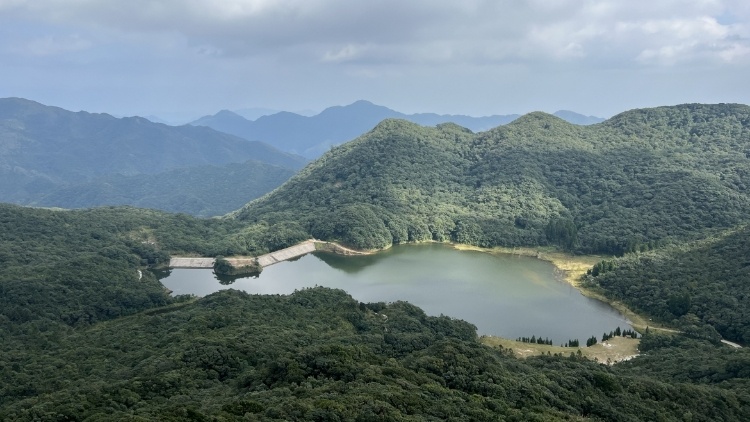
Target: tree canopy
639, 180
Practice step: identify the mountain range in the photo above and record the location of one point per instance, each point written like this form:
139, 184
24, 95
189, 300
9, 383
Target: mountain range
640, 178
45, 149
87, 331
311, 136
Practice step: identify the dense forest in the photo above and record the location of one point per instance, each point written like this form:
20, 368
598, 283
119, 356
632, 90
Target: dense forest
87, 332
319, 355
641, 179
687, 286
202, 191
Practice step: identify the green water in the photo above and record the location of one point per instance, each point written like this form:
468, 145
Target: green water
508, 296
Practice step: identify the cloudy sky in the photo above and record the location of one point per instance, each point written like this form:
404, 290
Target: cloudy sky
185, 58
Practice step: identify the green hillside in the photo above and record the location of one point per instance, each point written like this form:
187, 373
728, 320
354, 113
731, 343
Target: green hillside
319, 355
688, 286
640, 179
88, 333
202, 191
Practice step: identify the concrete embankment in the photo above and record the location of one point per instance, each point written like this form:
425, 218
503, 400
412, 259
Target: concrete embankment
187, 262
284, 254
291, 252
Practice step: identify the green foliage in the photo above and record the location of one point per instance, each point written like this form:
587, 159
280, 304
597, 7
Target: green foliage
234, 356
224, 268
640, 180
85, 336
701, 286
682, 359
46, 149
203, 191
80, 267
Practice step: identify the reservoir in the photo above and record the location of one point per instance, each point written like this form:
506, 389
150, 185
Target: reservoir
503, 295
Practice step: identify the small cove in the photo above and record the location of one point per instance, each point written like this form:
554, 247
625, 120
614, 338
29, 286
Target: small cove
503, 295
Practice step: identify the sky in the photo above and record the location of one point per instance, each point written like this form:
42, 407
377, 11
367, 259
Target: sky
181, 59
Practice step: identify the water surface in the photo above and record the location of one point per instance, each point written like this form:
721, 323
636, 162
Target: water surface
504, 295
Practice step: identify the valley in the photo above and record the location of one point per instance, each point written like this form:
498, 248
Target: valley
646, 210
331, 211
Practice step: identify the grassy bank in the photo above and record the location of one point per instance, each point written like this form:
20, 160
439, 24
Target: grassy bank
613, 350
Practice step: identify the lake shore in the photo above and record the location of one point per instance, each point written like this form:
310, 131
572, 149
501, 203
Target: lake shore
572, 269
616, 349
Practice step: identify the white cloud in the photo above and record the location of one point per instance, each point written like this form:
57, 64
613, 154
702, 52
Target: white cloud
470, 52
661, 32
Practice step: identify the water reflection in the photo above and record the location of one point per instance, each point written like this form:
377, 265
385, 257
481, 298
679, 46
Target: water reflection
502, 295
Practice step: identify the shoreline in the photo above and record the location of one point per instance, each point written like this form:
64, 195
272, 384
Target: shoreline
572, 268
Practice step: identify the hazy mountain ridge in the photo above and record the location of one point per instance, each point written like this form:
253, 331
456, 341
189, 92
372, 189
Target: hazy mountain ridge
312, 136
45, 148
202, 191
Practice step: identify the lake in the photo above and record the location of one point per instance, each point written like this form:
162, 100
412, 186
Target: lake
503, 295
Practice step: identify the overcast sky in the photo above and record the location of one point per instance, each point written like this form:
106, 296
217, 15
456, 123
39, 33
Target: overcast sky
186, 58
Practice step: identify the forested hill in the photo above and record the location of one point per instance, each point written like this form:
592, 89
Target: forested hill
639, 179
203, 191
44, 148
687, 286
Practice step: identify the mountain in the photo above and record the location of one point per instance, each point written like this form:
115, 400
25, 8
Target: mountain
641, 179
312, 136
686, 285
253, 113
46, 148
577, 119
203, 191
87, 332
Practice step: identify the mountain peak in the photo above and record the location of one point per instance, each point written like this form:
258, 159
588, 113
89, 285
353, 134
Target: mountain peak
536, 117
227, 113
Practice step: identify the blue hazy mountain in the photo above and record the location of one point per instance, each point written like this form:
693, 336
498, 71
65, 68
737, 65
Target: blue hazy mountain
46, 148
312, 136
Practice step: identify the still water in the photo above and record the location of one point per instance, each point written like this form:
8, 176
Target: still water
503, 295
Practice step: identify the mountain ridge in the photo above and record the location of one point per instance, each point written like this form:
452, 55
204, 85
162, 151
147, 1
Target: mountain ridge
313, 135
537, 181
47, 147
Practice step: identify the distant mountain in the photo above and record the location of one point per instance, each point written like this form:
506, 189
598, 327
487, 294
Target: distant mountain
312, 136
253, 113
578, 119
46, 148
203, 191
475, 124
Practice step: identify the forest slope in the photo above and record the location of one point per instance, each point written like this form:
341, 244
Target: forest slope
84, 336
319, 355
689, 286
639, 179
45, 148
202, 191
